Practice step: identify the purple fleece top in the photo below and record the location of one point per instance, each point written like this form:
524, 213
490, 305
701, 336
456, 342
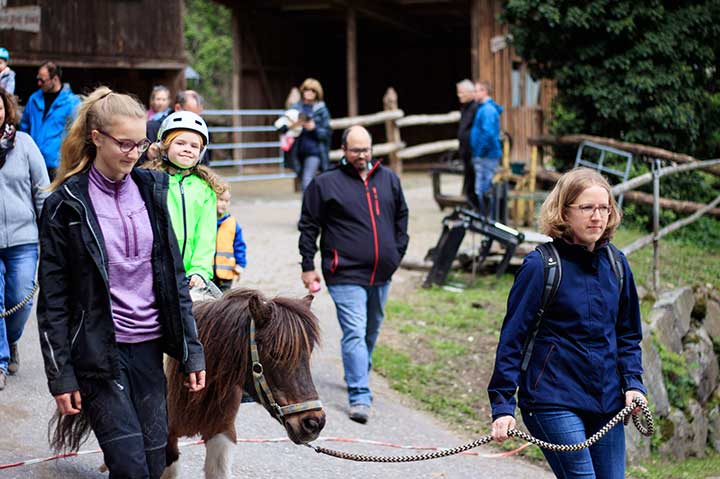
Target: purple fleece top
125, 226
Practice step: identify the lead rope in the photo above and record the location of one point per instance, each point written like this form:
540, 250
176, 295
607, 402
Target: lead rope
20, 305
623, 415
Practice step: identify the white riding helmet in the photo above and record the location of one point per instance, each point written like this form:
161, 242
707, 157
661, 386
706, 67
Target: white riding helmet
185, 120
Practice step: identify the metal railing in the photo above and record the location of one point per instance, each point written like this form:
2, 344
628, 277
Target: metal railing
240, 159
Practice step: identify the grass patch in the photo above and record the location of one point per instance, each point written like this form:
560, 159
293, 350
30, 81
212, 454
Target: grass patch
438, 346
692, 468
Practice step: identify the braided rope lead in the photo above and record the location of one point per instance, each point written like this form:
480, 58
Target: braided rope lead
22, 303
624, 415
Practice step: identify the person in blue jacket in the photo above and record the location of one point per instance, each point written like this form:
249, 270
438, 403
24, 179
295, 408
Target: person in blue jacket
48, 114
485, 143
586, 362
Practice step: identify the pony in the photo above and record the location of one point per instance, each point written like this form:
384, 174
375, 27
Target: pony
252, 344
238, 331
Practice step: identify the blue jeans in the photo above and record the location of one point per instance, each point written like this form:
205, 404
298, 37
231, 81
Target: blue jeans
309, 169
603, 460
484, 172
17, 278
360, 313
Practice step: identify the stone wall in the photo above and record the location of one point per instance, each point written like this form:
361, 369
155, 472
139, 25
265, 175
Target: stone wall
685, 322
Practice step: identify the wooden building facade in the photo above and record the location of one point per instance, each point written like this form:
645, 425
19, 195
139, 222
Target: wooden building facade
357, 49
129, 45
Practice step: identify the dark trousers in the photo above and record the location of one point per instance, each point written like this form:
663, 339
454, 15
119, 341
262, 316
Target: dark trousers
129, 414
223, 284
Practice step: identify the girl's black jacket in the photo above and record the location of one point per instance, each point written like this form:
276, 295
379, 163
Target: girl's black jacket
74, 313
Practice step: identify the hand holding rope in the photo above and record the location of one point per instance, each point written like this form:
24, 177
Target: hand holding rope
624, 415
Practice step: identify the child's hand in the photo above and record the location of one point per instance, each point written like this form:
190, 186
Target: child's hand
238, 271
196, 282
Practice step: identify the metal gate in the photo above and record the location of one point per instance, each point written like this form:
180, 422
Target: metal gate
263, 152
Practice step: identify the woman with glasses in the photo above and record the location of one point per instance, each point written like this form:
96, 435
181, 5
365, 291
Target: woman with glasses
23, 178
585, 364
310, 152
113, 293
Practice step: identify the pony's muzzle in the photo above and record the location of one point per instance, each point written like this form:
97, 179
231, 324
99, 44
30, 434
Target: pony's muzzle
313, 425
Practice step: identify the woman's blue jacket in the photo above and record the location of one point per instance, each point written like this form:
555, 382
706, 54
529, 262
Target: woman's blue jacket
587, 351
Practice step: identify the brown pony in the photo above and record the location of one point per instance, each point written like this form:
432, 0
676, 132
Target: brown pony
285, 333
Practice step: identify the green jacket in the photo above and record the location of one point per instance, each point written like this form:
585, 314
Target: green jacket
193, 211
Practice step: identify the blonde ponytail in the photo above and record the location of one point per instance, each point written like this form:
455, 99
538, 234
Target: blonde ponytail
96, 112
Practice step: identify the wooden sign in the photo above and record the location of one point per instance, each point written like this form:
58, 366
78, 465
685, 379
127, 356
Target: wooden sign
26, 19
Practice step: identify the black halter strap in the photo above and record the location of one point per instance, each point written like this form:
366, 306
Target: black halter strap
262, 389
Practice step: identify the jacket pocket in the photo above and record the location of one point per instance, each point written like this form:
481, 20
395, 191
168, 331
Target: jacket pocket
75, 335
545, 362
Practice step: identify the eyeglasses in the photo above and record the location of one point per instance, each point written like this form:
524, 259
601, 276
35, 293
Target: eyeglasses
359, 151
589, 210
42, 80
126, 146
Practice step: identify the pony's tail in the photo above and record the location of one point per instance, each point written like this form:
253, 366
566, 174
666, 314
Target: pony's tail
68, 433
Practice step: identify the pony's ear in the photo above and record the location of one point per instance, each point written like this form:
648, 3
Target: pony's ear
257, 307
308, 300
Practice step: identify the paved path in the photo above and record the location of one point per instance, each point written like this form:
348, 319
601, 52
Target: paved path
270, 229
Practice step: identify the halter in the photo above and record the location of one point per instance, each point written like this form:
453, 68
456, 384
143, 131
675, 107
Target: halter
262, 389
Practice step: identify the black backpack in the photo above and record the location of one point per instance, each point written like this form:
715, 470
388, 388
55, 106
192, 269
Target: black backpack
553, 275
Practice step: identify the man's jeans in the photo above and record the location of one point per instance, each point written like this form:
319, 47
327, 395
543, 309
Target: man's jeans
17, 278
484, 172
603, 460
311, 164
360, 313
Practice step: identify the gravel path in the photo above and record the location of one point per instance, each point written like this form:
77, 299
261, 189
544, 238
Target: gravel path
269, 213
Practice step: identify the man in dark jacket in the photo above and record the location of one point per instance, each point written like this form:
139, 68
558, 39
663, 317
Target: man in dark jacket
359, 211
468, 107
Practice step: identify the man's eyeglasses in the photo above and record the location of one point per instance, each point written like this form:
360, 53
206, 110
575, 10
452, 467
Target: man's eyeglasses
589, 210
126, 146
359, 151
42, 80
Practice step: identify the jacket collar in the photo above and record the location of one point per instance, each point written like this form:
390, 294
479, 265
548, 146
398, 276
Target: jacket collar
579, 253
350, 170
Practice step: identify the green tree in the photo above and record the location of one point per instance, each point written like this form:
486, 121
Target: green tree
644, 71
208, 43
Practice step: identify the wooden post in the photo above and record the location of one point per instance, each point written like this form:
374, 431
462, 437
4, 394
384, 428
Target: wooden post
236, 78
656, 226
531, 184
392, 132
351, 45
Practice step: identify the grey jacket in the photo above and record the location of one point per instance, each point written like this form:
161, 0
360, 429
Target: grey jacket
22, 180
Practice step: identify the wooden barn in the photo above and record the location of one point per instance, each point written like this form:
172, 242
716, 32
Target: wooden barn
357, 49
129, 45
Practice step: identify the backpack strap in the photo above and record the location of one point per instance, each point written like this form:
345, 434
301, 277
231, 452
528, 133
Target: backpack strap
552, 273
616, 264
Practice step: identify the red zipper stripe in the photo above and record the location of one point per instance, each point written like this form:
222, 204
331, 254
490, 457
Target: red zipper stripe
377, 202
375, 235
335, 261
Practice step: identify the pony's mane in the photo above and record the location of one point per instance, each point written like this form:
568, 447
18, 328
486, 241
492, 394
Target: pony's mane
286, 332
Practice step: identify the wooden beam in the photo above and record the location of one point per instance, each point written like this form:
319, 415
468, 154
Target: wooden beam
236, 77
365, 120
351, 45
439, 119
379, 12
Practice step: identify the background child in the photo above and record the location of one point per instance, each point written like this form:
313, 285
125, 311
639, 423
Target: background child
159, 104
191, 196
230, 253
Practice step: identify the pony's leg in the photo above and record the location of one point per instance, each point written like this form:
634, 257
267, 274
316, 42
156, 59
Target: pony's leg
172, 454
219, 456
